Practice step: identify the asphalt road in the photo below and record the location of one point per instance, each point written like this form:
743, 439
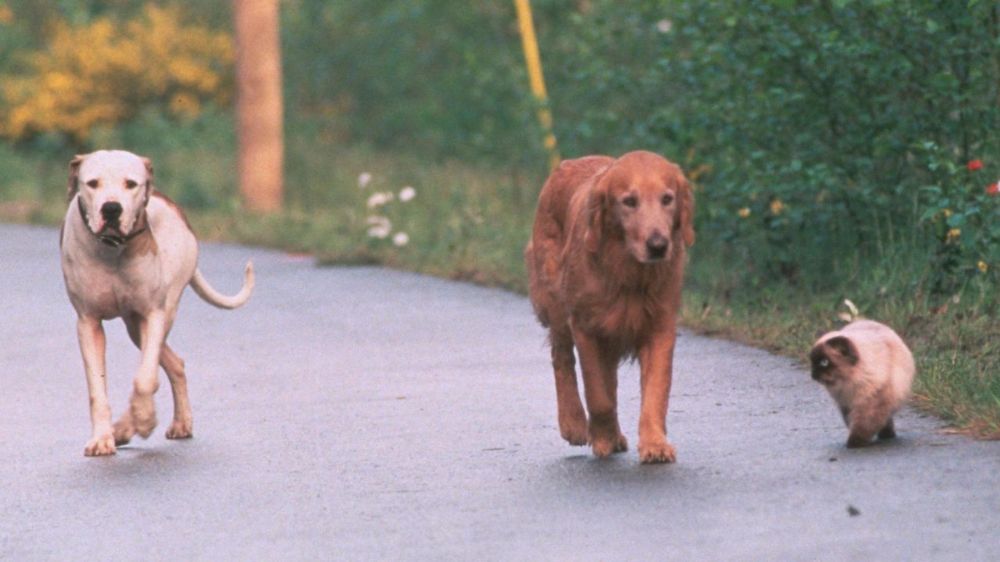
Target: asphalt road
360, 413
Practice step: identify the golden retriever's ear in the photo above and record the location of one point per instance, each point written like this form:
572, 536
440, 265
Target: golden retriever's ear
686, 210
597, 206
74, 176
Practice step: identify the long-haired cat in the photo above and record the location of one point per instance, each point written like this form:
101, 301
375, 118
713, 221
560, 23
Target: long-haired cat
868, 370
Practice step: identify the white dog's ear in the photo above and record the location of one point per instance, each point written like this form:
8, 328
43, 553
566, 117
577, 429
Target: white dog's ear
149, 170
149, 178
74, 176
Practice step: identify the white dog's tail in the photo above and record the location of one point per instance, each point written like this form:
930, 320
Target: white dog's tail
215, 298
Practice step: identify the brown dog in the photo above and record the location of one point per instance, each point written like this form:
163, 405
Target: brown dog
606, 262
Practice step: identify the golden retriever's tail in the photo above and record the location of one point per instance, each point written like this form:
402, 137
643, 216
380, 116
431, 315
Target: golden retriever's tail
215, 298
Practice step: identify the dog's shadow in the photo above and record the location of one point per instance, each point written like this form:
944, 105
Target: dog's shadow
619, 470
134, 462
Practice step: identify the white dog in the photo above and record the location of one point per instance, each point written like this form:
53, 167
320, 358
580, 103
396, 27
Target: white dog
128, 252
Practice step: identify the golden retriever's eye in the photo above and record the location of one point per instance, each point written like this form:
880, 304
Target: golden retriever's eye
667, 199
630, 201
130, 184
92, 183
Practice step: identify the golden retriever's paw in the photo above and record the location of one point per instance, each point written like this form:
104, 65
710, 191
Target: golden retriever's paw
143, 413
604, 446
123, 430
621, 444
100, 446
180, 429
574, 429
655, 453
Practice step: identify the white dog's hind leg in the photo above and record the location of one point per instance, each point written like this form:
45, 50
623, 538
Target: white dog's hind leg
183, 424
143, 410
90, 333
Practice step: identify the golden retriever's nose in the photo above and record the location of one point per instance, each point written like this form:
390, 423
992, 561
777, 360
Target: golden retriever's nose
656, 246
111, 211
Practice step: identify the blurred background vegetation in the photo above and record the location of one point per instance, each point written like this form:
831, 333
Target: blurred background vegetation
840, 148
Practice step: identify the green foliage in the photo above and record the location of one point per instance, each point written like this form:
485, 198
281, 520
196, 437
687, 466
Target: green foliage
422, 77
960, 211
807, 116
816, 106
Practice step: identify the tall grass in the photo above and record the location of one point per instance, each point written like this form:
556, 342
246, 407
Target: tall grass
956, 343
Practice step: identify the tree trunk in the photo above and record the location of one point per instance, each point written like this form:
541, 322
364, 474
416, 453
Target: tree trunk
259, 104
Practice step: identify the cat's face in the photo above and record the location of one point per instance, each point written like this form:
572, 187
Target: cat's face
833, 359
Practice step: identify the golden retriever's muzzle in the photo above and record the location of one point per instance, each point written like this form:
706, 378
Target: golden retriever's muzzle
657, 247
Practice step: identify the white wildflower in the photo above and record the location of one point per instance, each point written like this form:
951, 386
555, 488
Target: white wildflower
378, 226
664, 26
364, 179
407, 193
379, 198
401, 239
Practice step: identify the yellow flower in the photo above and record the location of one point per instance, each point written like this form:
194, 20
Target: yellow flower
777, 207
744, 212
953, 234
946, 213
983, 266
154, 58
6, 14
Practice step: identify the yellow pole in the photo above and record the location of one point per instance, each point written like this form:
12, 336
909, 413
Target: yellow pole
534, 63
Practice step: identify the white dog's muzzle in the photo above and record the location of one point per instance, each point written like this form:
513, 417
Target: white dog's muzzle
112, 235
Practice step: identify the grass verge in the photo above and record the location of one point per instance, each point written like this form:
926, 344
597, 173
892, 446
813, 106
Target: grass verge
470, 223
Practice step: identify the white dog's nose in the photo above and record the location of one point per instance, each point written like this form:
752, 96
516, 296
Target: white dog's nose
111, 211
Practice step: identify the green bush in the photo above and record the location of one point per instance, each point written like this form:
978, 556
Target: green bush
808, 118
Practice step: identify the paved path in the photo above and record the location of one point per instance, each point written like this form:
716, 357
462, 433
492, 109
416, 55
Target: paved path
359, 413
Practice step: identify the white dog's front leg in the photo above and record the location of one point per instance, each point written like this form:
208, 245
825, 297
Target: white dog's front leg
90, 333
143, 410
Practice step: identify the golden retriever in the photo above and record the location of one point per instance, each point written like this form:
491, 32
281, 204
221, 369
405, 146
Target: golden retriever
606, 263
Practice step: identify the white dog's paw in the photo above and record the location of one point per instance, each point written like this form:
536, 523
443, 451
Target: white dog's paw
123, 429
143, 412
180, 429
100, 446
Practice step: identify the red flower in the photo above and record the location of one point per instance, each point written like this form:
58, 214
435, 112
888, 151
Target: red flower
993, 189
974, 165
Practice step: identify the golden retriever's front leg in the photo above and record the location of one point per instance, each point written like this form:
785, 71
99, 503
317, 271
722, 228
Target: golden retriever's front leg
600, 384
90, 333
656, 359
572, 418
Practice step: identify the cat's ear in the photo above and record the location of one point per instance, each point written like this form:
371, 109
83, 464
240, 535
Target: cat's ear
843, 346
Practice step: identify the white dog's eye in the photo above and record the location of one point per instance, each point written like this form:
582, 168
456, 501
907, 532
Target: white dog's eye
92, 183
130, 184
